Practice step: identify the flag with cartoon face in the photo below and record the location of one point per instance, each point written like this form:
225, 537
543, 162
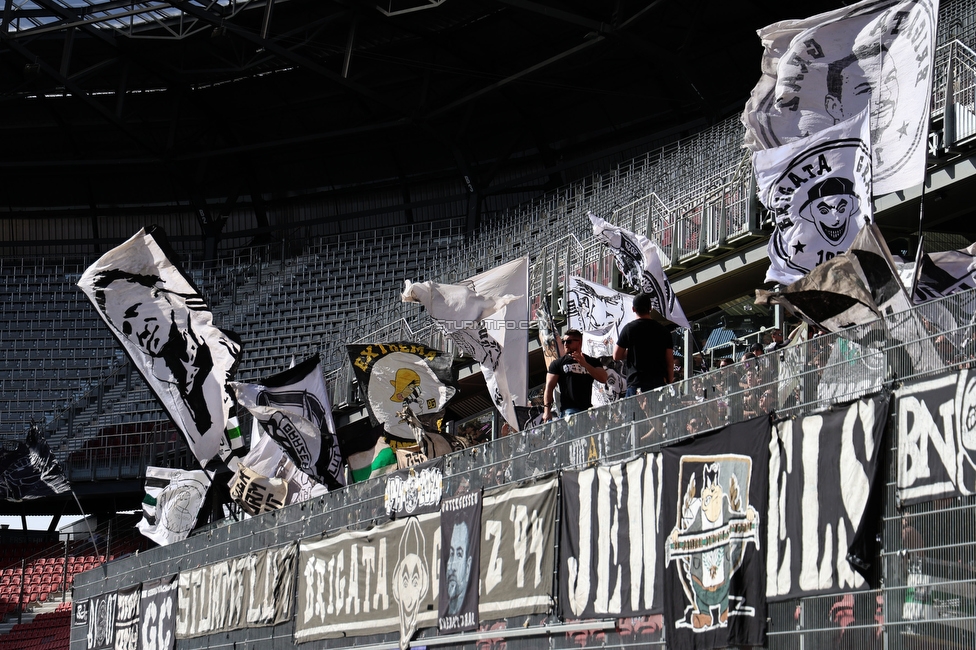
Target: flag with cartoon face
403, 375
818, 190
823, 70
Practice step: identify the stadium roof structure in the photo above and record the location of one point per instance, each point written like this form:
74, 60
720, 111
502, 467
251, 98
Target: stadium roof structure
110, 104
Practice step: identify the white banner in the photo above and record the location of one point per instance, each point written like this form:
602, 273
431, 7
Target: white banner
819, 191
487, 318
820, 71
172, 503
167, 330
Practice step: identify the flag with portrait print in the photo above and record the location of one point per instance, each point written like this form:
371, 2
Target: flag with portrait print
165, 327
823, 70
460, 563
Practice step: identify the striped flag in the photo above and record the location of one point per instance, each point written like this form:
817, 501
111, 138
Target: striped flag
172, 503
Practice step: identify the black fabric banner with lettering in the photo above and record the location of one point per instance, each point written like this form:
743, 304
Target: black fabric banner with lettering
457, 609
608, 553
127, 619
936, 438
157, 616
713, 512
825, 481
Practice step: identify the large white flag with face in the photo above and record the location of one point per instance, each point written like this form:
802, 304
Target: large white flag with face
819, 191
167, 330
487, 318
823, 70
639, 260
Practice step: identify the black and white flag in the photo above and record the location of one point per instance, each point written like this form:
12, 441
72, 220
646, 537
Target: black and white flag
172, 502
487, 318
101, 622
936, 429
157, 614
713, 513
639, 260
825, 479
856, 288
267, 479
293, 408
416, 490
610, 540
945, 273
818, 190
599, 313
28, 470
460, 563
127, 613
167, 330
402, 375
820, 71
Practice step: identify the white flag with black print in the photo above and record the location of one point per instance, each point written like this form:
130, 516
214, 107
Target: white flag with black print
639, 260
487, 318
167, 330
266, 479
818, 190
293, 408
172, 503
822, 70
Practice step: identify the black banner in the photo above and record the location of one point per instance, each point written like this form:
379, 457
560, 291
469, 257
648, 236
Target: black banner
712, 514
127, 619
101, 621
824, 482
416, 490
157, 616
608, 553
29, 470
936, 438
457, 609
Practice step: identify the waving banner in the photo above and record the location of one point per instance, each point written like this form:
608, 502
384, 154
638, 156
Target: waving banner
819, 191
639, 260
487, 318
293, 408
822, 70
400, 375
167, 330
